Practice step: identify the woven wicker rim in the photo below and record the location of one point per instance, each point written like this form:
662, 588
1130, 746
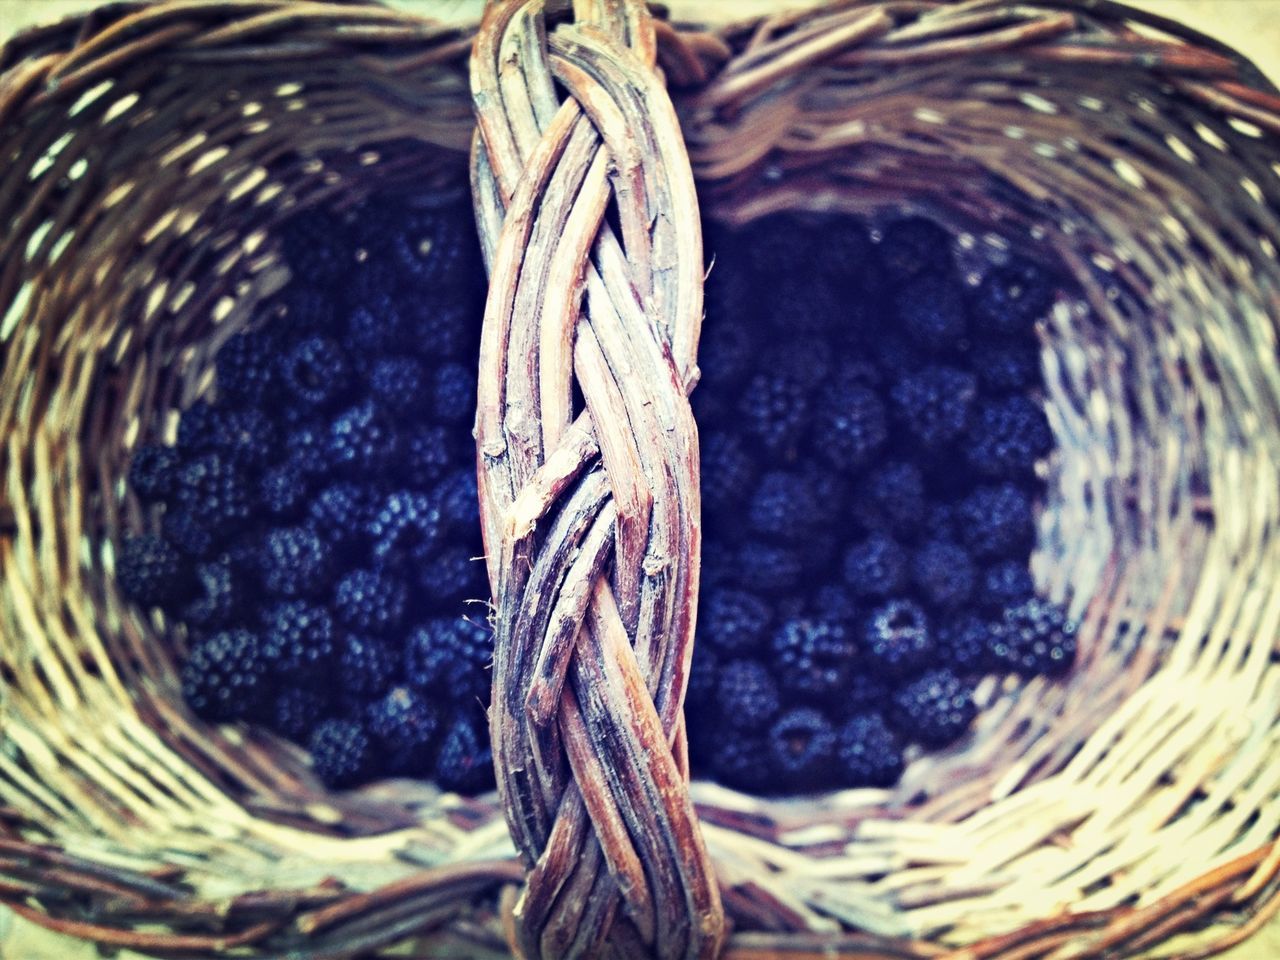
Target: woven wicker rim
1098, 816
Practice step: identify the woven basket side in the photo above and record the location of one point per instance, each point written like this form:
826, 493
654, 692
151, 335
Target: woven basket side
591, 516
150, 152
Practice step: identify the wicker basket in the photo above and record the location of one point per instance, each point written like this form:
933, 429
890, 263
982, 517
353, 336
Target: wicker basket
151, 150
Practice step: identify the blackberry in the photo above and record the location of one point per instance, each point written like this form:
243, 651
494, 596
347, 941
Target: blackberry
198, 428
851, 425
367, 665
728, 472
342, 753
768, 569
295, 562
996, 521
1006, 366
835, 601
944, 573
931, 311
942, 521
432, 247
1006, 584
297, 639
225, 676
153, 471
428, 455
465, 761
219, 595
892, 498
963, 643
315, 372
184, 530
812, 656
876, 566
458, 500
451, 656
297, 710
868, 751
307, 449
934, 404
797, 306
1035, 637
362, 439
343, 511
1013, 297
453, 575
453, 393
399, 384
935, 708
405, 529
802, 747
913, 245
773, 409
782, 507
747, 695
214, 491
1007, 436
370, 601
734, 621
742, 763
246, 437
406, 724
896, 638
246, 373
317, 247
282, 491
374, 326
151, 572
895, 353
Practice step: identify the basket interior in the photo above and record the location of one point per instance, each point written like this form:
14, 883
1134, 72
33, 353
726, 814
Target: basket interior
141, 211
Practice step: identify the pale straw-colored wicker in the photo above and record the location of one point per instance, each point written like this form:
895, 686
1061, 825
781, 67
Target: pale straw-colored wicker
149, 153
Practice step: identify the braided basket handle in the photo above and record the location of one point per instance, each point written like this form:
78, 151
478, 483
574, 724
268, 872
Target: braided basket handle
591, 518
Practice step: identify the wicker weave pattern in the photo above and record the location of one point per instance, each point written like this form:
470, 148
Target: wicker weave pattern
1095, 818
590, 670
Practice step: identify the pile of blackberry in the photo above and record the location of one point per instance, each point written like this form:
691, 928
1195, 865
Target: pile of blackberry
871, 426
318, 522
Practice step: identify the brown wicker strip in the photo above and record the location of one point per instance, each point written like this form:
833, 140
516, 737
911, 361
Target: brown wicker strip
150, 152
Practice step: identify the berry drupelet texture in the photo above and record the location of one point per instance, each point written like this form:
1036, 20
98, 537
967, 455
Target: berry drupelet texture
876, 566
735, 621
370, 601
1035, 637
226, 676
342, 753
153, 472
802, 746
935, 708
151, 572
868, 752
450, 655
747, 695
465, 761
896, 639
812, 656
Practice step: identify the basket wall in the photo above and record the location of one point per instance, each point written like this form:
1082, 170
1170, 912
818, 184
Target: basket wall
1141, 794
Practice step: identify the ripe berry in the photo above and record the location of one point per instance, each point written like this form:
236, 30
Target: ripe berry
153, 471
728, 472
996, 521
773, 408
431, 247
450, 655
151, 572
399, 384
246, 438
913, 245
934, 709
367, 665
893, 499
317, 247
406, 724
896, 638
343, 511
931, 311
812, 655
783, 507
453, 393
1005, 366
1013, 297
851, 424
214, 492
869, 752
747, 695
362, 439
297, 710
405, 529
944, 573
769, 569
282, 491
1007, 436
225, 676
315, 372
297, 639
1035, 637
429, 452
369, 601
219, 595
246, 372
295, 562
802, 746
342, 753
734, 621
876, 566
963, 643
742, 762
934, 404
1006, 584
465, 761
